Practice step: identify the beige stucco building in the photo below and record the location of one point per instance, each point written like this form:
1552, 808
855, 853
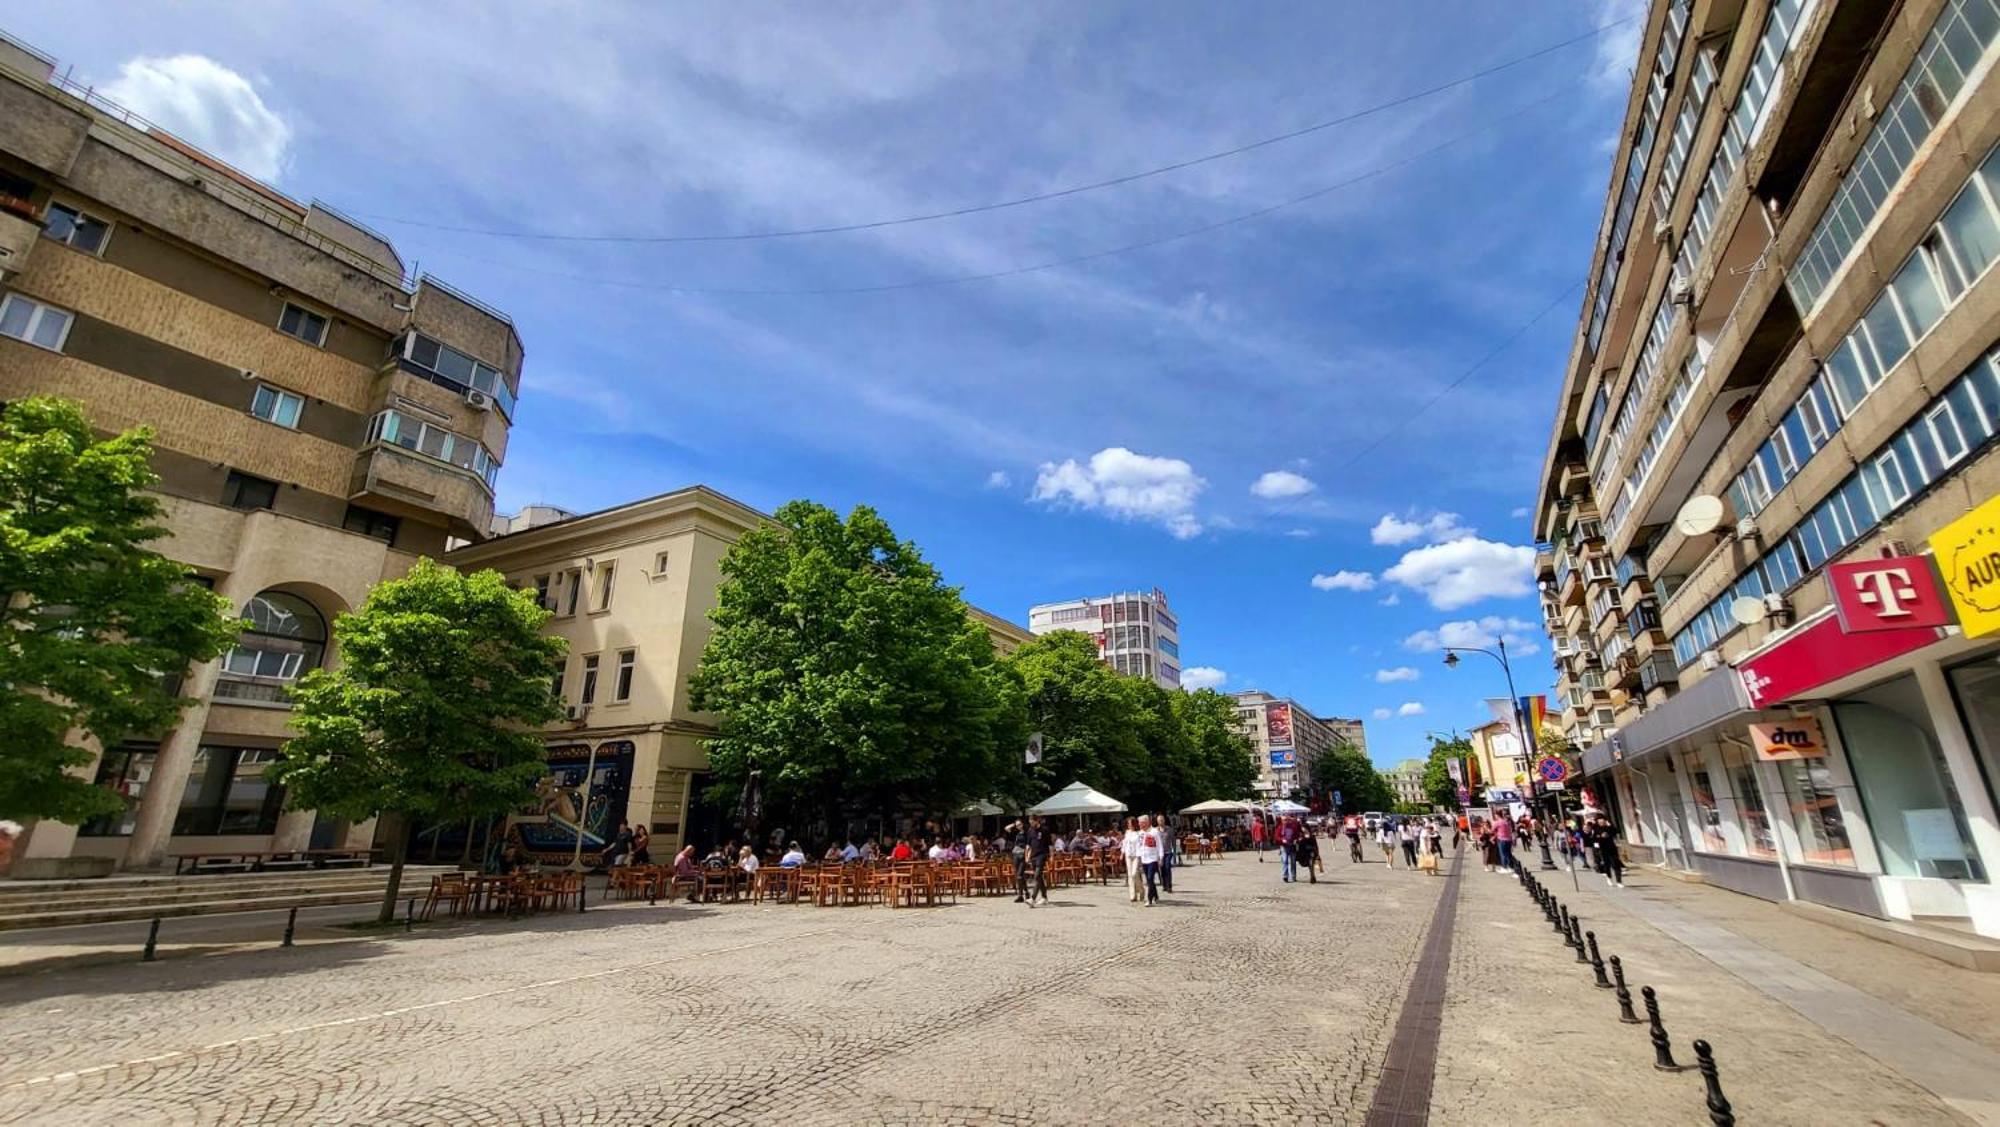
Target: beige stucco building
631, 588
321, 419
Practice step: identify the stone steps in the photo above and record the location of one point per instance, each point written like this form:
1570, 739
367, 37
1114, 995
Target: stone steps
64, 904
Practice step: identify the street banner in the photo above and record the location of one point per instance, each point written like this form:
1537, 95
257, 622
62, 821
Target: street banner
1502, 710
1451, 767
1535, 710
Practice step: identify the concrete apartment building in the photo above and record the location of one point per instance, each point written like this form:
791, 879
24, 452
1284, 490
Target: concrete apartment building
1769, 496
321, 420
632, 587
1137, 634
1286, 735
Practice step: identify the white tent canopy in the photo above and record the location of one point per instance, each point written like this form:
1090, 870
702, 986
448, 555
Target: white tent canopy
1220, 806
1287, 806
1077, 799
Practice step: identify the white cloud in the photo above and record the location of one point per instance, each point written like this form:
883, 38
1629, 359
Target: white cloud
1461, 572
1128, 486
210, 106
1481, 633
1202, 677
1393, 598
1391, 676
1344, 581
1382, 714
1433, 529
1279, 484
999, 479
1520, 513
1299, 533
1410, 708
1618, 50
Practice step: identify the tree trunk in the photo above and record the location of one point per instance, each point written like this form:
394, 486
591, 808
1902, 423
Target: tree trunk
465, 854
399, 848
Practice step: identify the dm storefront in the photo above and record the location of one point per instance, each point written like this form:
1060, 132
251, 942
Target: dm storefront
1850, 760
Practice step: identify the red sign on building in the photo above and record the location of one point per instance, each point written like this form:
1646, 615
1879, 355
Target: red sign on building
1895, 593
1822, 653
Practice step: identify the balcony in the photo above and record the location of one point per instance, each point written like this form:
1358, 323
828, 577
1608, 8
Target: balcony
391, 480
1545, 564
1658, 671
256, 692
1573, 480
20, 229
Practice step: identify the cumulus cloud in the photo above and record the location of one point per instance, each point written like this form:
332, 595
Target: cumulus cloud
1391, 676
1393, 598
1344, 581
1433, 529
214, 108
1279, 484
1202, 677
1299, 533
1382, 714
1410, 708
1520, 512
999, 479
1128, 486
1461, 572
1481, 633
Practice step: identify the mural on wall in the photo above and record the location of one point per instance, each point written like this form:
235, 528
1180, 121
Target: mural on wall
548, 829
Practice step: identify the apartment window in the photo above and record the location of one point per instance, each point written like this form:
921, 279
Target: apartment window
242, 491
660, 565
1946, 436
44, 326
73, 228
588, 694
572, 589
368, 522
303, 324
275, 406
432, 441
449, 368
621, 689
542, 598
285, 638
227, 793
607, 574
1971, 236
556, 684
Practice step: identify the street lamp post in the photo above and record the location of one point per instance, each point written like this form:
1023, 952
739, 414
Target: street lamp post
1520, 722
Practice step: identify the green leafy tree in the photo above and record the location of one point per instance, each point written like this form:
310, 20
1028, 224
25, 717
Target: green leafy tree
848, 676
1223, 763
96, 621
431, 715
1084, 712
1346, 769
1438, 784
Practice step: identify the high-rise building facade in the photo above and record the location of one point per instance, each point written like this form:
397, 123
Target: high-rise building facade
1137, 634
1285, 736
1769, 497
321, 419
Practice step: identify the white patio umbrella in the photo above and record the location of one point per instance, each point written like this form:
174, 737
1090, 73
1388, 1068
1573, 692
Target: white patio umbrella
1287, 806
1077, 799
1220, 806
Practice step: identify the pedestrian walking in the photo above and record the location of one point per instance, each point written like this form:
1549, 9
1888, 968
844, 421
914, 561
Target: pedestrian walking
1385, 836
1135, 873
1257, 836
1288, 858
1307, 848
1353, 842
1040, 841
1489, 848
1406, 836
1609, 862
1167, 843
1017, 841
1503, 840
1149, 858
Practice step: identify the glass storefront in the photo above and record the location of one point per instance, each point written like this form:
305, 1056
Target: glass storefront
1913, 809
1705, 825
225, 792
1746, 801
1976, 684
1814, 812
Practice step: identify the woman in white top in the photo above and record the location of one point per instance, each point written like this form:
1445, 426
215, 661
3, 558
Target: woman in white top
747, 861
1135, 877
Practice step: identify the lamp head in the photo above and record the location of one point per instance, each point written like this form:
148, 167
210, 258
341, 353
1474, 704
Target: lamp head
1451, 659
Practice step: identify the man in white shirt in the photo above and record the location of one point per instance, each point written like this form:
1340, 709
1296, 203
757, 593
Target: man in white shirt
936, 851
1150, 851
849, 854
1135, 877
793, 858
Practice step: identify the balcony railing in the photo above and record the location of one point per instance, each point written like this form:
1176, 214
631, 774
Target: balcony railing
254, 692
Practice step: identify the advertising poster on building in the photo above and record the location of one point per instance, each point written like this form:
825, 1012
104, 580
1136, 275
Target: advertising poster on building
1968, 557
1278, 725
1283, 759
549, 828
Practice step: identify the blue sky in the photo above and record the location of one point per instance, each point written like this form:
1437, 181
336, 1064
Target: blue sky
1237, 417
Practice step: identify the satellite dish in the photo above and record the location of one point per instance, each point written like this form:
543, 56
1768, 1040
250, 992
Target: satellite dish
1701, 515
1747, 609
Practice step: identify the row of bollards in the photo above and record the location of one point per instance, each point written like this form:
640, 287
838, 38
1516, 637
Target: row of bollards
1584, 944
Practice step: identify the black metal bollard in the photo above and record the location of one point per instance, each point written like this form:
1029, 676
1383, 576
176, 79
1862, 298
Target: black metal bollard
1663, 1050
1719, 1111
582, 885
410, 914
291, 926
1562, 923
1625, 1013
1576, 939
152, 941
1596, 962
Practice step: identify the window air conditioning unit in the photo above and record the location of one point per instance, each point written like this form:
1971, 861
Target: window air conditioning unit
577, 713
1711, 659
1682, 293
1746, 528
479, 400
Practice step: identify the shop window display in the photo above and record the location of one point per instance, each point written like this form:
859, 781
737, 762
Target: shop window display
1706, 817
1751, 817
1913, 809
1815, 812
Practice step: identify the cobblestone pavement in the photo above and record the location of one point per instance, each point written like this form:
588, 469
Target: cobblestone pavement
1240, 1000
1527, 1034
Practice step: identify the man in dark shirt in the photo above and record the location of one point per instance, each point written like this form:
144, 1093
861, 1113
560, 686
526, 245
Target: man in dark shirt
1038, 842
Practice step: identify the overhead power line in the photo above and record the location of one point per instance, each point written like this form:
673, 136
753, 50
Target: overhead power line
1072, 260
1019, 201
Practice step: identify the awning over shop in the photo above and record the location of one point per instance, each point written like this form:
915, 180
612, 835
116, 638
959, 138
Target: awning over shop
1710, 701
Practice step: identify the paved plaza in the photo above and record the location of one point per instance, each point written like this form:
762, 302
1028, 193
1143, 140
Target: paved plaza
1239, 1000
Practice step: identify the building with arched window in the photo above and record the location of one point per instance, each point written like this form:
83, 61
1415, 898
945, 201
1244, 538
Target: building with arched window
322, 418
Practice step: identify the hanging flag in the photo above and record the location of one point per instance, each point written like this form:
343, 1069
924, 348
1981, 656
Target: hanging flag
1535, 711
1035, 748
1502, 710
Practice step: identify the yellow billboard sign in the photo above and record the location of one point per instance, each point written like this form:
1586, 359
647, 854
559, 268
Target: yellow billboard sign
1968, 556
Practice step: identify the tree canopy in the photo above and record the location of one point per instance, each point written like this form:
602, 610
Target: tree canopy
1438, 784
98, 624
433, 711
848, 676
1346, 769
